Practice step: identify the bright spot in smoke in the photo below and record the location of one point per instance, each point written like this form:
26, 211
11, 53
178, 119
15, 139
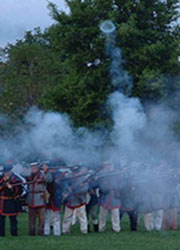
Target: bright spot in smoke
107, 27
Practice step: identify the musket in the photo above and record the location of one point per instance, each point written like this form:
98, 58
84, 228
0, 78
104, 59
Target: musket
118, 173
19, 183
72, 188
89, 178
73, 177
36, 181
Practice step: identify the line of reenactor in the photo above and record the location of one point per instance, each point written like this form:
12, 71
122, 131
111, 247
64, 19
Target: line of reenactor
82, 195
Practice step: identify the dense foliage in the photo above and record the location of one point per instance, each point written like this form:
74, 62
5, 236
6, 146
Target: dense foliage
65, 68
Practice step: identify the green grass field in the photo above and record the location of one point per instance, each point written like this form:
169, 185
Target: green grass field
125, 240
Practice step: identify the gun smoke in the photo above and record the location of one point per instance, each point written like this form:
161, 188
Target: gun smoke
139, 137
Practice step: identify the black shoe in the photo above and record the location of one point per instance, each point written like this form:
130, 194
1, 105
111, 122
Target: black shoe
96, 229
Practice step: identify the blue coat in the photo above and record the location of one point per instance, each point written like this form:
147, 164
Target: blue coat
127, 193
57, 189
77, 193
109, 192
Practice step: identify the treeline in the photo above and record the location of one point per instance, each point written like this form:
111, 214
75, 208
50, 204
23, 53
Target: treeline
65, 68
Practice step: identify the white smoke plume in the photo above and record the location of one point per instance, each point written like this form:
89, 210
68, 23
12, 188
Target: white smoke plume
137, 135
49, 135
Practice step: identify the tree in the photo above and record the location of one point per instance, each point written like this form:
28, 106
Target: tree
147, 34
65, 68
84, 84
30, 69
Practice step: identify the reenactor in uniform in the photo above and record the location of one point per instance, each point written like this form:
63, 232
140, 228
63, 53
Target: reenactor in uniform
75, 201
127, 193
109, 199
36, 198
11, 188
92, 208
56, 187
171, 198
153, 217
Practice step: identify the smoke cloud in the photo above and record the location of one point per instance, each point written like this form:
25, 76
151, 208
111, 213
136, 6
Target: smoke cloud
138, 135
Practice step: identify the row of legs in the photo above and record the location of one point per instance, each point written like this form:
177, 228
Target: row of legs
13, 225
153, 221
34, 213
99, 223
47, 218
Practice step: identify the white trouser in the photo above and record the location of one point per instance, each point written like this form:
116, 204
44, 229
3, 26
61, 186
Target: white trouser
115, 219
74, 217
153, 221
52, 218
81, 216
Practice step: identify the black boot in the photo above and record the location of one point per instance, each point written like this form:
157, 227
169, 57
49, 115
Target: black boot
89, 228
2, 225
96, 228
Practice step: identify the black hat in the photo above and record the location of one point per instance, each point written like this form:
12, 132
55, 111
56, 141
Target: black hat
59, 162
46, 162
7, 168
50, 164
56, 163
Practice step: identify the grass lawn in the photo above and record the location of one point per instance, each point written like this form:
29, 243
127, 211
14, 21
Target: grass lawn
125, 240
